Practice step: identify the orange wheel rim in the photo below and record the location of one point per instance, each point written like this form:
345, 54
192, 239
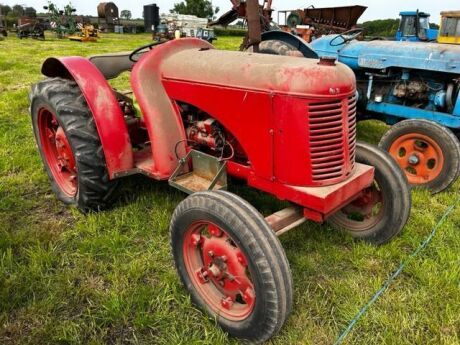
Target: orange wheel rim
419, 156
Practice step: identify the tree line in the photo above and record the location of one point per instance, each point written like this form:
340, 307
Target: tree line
12, 14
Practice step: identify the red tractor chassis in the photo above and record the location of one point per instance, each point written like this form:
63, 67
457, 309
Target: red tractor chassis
279, 154
284, 125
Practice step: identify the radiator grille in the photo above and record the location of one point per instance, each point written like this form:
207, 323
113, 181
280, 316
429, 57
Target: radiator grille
327, 121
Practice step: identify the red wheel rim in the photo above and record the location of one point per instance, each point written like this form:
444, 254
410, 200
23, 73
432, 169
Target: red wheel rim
219, 271
363, 213
419, 156
57, 152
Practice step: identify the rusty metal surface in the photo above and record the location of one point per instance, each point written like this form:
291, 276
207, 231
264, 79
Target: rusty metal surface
254, 27
207, 173
344, 17
108, 11
284, 218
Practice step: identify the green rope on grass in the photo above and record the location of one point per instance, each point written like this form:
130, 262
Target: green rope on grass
395, 274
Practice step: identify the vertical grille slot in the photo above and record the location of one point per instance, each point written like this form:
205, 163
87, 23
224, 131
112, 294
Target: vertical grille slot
352, 104
326, 122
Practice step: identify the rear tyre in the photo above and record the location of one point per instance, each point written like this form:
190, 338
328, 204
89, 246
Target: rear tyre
69, 145
230, 261
277, 47
427, 152
384, 208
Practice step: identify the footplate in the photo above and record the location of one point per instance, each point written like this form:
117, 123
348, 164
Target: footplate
199, 172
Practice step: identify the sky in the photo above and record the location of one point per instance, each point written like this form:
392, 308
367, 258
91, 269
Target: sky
377, 9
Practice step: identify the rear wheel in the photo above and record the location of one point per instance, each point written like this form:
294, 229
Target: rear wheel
383, 209
69, 145
428, 153
230, 261
277, 47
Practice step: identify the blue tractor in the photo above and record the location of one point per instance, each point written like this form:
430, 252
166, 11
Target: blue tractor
411, 86
415, 27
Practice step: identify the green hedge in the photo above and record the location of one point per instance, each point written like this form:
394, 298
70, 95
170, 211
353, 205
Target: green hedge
229, 32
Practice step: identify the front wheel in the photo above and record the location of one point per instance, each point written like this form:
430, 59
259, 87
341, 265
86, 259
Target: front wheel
428, 153
383, 209
232, 264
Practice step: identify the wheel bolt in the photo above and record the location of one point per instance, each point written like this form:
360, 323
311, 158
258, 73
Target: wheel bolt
414, 160
196, 239
227, 303
214, 270
202, 276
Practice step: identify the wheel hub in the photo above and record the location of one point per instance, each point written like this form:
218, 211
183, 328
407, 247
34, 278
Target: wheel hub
57, 152
220, 270
65, 155
413, 159
419, 156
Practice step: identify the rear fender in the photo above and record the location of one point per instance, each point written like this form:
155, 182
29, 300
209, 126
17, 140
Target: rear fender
104, 107
291, 39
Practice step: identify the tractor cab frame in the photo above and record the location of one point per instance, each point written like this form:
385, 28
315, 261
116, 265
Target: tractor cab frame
449, 31
415, 27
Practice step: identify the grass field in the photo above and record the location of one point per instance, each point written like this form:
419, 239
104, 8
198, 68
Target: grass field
66, 278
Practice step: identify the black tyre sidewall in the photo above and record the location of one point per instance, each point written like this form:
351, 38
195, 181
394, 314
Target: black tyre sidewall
275, 47
395, 191
443, 136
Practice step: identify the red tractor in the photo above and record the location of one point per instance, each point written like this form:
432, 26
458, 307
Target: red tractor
284, 125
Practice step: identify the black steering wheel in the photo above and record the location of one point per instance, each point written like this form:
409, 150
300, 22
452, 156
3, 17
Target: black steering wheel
141, 49
350, 36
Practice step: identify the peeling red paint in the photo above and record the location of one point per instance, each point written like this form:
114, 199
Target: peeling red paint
107, 114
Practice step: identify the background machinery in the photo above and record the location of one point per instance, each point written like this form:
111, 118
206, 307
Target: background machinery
31, 28
108, 16
415, 27
86, 33
63, 22
449, 31
200, 115
312, 22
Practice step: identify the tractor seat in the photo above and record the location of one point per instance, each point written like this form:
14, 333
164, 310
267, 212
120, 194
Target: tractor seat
112, 65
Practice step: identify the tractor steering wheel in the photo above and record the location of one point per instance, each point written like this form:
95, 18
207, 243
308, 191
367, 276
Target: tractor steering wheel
351, 35
141, 49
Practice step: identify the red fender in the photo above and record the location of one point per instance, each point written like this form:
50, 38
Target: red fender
103, 104
161, 116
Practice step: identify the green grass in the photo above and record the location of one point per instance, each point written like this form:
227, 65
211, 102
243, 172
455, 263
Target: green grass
66, 278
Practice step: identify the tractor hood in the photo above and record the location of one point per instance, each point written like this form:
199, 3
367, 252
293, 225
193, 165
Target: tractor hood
259, 72
385, 54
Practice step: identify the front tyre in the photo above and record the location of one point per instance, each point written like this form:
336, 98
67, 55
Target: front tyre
383, 209
427, 152
69, 145
228, 258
